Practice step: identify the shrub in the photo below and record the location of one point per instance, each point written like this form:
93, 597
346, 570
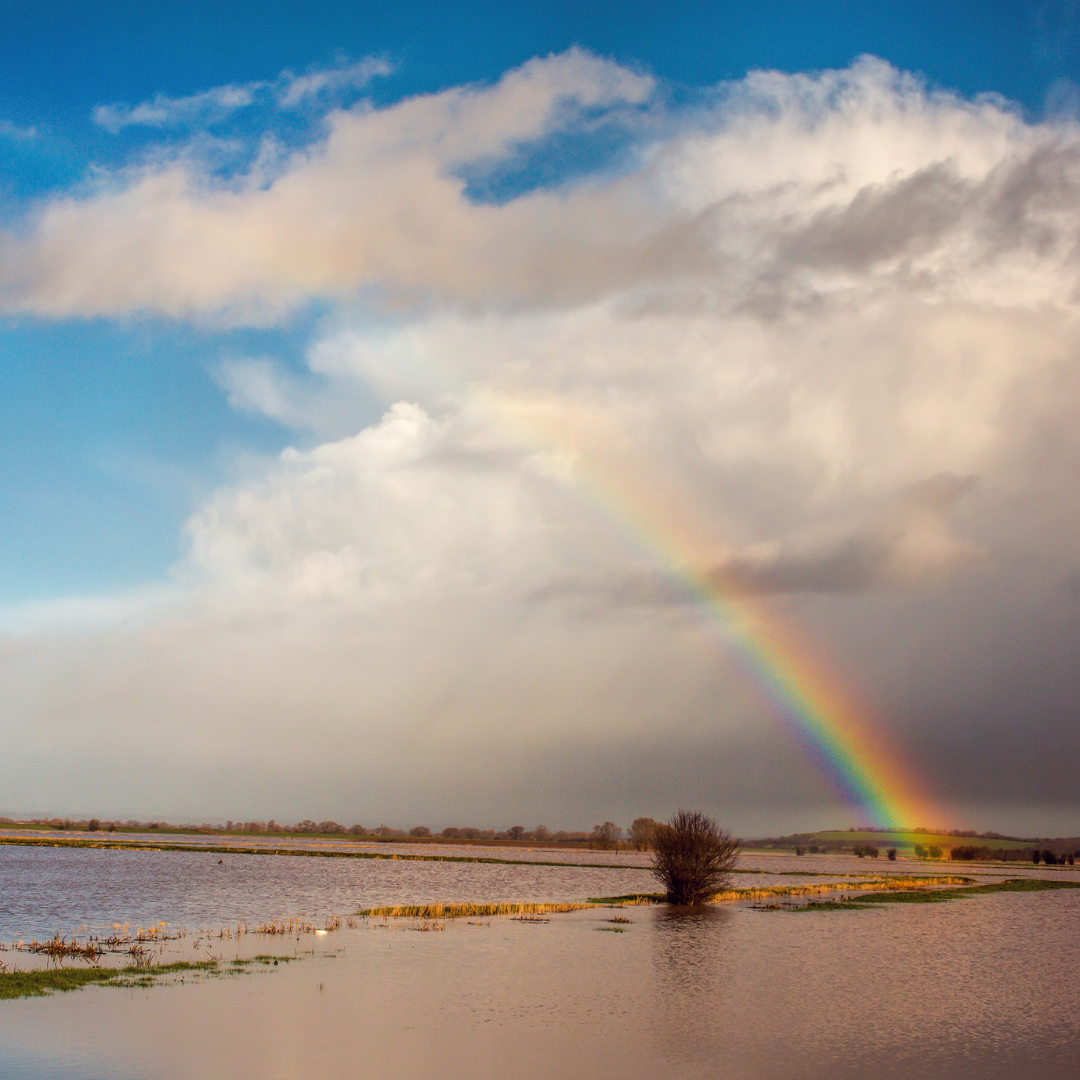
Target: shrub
892, 854
693, 857
94, 825
419, 830
934, 852
541, 833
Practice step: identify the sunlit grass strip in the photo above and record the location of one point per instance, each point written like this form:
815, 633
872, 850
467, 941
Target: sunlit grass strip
461, 911
813, 888
311, 853
629, 899
939, 896
768, 892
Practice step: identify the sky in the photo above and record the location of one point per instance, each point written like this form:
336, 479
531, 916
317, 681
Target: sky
474, 413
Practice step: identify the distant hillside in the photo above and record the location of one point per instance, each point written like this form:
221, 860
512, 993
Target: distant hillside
837, 840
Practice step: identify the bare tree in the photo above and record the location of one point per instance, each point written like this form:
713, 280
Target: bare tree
541, 833
606, 836
516, 832
693, 857
641, 833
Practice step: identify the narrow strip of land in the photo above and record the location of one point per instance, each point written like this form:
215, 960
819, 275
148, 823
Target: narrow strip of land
315, 853
939, 896
40, 982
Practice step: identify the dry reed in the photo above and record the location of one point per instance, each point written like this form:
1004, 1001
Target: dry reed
816, 889
459, 911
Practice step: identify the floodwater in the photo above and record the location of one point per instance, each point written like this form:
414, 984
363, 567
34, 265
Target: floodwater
984, 987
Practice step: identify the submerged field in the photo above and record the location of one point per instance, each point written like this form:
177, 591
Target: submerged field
514, 971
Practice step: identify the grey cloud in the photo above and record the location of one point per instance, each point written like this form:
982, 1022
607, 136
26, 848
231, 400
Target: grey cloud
910, 542
881, 222
906, 543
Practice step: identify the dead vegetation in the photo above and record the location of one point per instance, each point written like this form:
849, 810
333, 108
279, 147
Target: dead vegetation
462, 911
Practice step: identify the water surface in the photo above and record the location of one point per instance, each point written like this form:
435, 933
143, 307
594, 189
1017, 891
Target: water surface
983, 987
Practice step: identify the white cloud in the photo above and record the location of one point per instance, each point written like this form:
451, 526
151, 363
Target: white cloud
818, 339
287, 91
207, 107
16, 132
293, 91
794, 188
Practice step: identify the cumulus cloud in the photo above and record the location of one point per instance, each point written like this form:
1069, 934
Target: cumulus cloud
814, 340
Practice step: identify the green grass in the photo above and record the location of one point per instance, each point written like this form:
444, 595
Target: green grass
630, 898
20, 984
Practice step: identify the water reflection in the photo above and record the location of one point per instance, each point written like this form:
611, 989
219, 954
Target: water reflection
690, 961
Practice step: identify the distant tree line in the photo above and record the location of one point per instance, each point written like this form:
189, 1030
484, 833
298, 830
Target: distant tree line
967, 853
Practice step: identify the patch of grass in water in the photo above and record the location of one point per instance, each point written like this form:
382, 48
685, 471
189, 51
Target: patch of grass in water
864, 882
629, 899
20, 984
939, 896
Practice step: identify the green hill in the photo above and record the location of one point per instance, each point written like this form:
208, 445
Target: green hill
827, 840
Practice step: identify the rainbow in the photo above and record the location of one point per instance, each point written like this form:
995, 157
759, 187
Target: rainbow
835, 731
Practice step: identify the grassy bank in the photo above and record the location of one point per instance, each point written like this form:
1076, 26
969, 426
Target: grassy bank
939, 896
296, 852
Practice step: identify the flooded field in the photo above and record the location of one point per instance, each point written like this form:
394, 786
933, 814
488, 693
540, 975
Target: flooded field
984, 986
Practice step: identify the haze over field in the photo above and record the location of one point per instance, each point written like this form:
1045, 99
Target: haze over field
342, 407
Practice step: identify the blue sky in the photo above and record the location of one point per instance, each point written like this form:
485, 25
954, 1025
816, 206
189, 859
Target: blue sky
347, 352
113, 430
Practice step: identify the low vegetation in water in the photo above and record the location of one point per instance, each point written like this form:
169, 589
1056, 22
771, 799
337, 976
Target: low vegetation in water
19, 984
939, 896
763, 892
462, 911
